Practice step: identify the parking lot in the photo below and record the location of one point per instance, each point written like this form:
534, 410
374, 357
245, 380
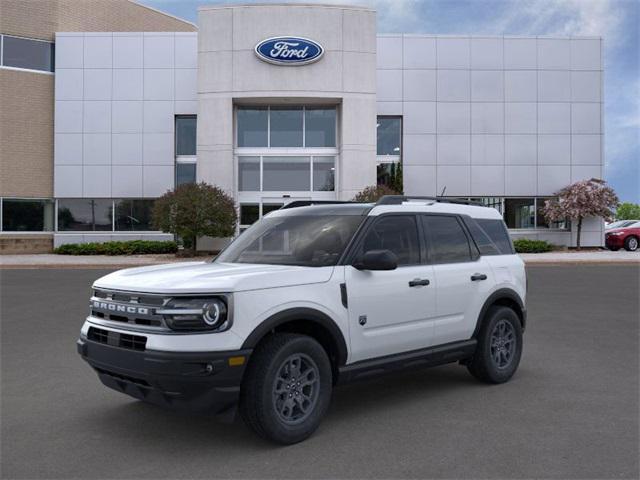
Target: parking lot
571, 411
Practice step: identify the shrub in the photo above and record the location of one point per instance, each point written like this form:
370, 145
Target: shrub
524, 245
132, 247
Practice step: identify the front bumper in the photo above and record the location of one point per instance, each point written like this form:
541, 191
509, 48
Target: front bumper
194, 381
614, 241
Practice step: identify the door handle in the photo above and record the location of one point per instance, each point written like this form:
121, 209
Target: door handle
478, 276
418, 282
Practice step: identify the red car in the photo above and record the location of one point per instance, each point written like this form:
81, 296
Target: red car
627, 237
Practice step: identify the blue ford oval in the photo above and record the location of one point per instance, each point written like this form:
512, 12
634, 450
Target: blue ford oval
289, 50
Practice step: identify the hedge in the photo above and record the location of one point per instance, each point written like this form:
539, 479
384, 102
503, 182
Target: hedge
132, 247
524, 245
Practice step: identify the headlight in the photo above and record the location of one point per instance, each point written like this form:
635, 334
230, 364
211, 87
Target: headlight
616, 233
196, 314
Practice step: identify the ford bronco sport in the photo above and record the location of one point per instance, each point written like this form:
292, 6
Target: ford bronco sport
311, 296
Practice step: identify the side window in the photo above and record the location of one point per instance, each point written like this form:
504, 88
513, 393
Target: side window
447, 241
497, 232
480, 237
397, 233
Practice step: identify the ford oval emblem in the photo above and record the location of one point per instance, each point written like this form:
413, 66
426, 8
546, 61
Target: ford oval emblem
289, 51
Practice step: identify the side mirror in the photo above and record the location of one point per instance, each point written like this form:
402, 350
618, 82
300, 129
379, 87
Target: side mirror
377, 260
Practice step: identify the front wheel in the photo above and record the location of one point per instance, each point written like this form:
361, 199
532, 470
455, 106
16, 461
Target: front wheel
499, 346
287, 388
631, 244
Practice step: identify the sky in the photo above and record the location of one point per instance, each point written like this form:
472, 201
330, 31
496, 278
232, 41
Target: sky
617, 21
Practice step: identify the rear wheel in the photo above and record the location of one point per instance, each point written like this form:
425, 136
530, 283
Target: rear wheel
631, 244
287, 388
499, 346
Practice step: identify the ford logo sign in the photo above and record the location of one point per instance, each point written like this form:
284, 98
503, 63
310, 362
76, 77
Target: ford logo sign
289, 51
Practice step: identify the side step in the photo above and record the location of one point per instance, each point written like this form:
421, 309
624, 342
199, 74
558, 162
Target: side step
426, 357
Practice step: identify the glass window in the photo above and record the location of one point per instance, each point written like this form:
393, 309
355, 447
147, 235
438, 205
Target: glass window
320, 127
26, 215
249, 213
542, 221
481, 238
253, 126
306, 240
390, 174
133, 215
286, 127
25, 53
519, 212
286, 173
270, 207
83, 214
447, 241
497, 232
186, 135
324, 169
185, 173
249, 174
389, 131
397, 233
493, 202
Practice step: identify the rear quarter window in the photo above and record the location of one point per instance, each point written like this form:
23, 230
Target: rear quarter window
491, 236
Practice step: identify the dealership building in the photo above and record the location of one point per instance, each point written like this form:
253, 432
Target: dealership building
273, 103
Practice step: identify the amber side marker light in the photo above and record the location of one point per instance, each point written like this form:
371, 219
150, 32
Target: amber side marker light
236, 361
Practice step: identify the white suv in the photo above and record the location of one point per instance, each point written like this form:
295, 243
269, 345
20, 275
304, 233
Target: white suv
308, 297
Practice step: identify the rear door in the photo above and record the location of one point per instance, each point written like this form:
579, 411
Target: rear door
391, 311
463, 278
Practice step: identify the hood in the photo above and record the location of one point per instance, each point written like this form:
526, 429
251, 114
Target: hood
206, 277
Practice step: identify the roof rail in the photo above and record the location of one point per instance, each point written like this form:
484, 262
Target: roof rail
399, 199
307, 203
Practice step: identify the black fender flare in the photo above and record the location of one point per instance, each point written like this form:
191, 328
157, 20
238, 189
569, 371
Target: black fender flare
495, 297
300, 314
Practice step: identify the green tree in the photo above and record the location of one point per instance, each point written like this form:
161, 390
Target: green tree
195, 210
373, 193
628, 211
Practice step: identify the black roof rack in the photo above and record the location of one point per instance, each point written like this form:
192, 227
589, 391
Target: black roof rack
399, 199
307, 203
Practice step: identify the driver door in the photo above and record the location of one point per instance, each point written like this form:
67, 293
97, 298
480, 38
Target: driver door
391, 311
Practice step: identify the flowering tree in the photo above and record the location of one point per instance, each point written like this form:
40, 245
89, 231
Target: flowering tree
373, 193
195, 210
586, 198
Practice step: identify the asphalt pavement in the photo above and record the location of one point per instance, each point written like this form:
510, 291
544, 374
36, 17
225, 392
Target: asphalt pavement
571, 411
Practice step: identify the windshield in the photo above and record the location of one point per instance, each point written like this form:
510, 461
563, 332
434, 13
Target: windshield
304, 240
620, 224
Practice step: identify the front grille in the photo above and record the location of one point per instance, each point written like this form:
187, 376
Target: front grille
117, 339
130, 308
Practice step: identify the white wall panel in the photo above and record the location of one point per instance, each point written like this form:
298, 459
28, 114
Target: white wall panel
68, 84
554, 54
96, 117
127, 117
419, 149
520, 118
520, 180
585, 118
69, 50
67, 181
156, 180
487, 180
158, 117
487, 149
419, 117
554, 118
419, 85
454, 117
586, 150
454, 149
97, 84
128, 84
453, 52
585, 86
520, 149
126, 149
554, 86
389, 52
68, 116
127, 51
586, 54
419, 52
521, 85
158, 84
96, 149
520, 53
487, 53
68, 149
96, 181
98, 51
158, 51
455, 178
126, 181
487, 85
158, 149
487, 117
454, 86
420, 180
554, 149
389, 85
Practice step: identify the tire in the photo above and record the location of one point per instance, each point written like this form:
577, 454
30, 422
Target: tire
631, 243
268, 402
490, 364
